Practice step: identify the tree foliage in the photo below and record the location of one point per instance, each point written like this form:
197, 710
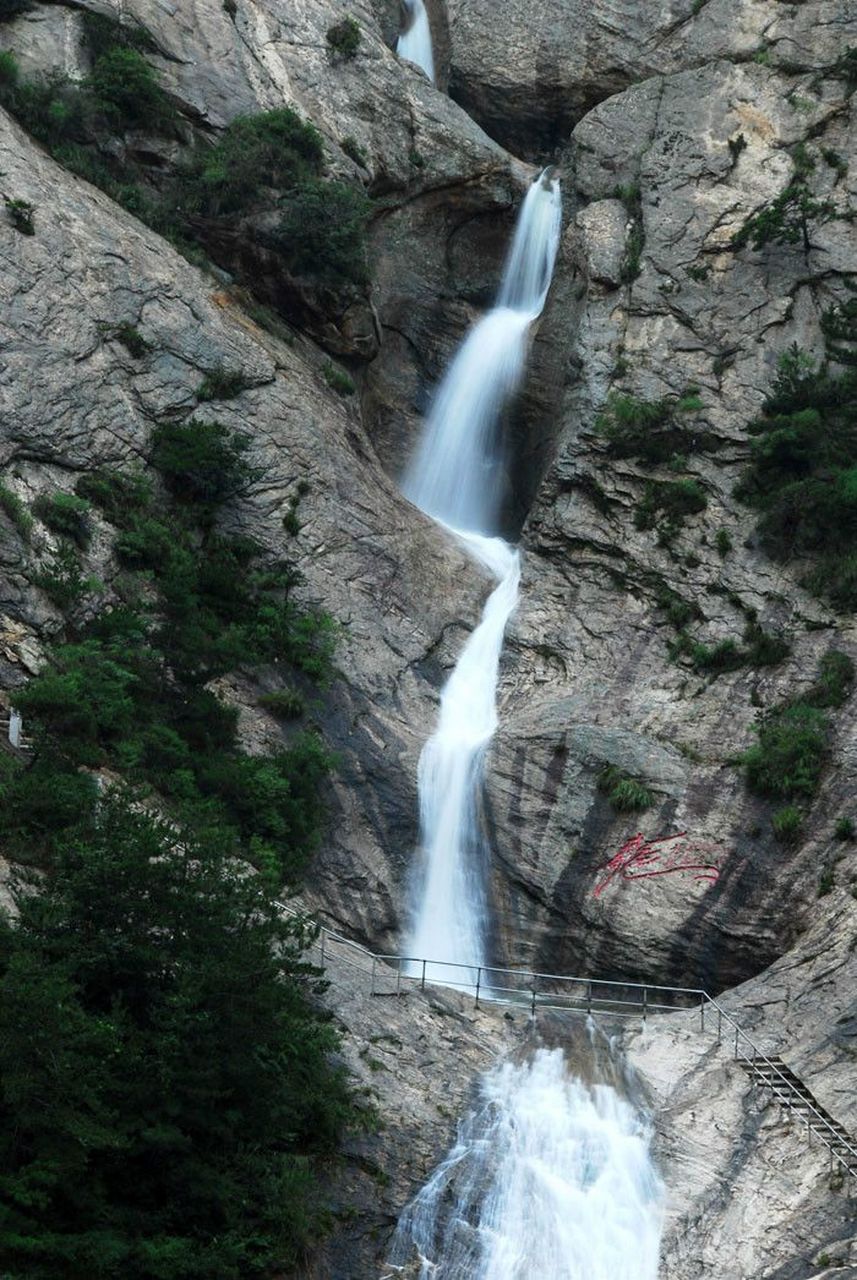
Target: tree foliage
166, 1082
803, 472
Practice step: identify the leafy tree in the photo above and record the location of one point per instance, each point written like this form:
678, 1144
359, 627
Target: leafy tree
166, 1082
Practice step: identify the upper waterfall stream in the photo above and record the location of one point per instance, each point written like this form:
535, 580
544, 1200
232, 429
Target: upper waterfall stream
414, 43
455, 477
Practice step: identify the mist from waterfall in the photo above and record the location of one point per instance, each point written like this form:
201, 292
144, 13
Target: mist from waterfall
550, 1179
414, 42
456, 477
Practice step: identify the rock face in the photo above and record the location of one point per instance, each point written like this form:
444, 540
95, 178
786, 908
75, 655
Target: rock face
674, 123
528, 70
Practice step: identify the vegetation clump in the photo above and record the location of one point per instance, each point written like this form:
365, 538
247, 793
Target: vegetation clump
787, 219
624, 793
802, 478
666, 505
652, 432
222, 384
67, 514
787, 762
16, 511
21, 214
337, 379
12, 8
343, 39
268, 162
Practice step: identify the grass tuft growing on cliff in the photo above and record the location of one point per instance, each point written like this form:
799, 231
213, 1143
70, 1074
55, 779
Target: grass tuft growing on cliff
624, 793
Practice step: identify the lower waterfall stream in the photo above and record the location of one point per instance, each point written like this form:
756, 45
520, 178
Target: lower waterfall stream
550, 1179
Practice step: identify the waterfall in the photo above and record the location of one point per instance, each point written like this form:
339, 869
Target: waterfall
455, 477
549, 1178
456, 474
414, 42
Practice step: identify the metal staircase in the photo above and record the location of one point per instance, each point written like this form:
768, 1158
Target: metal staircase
792, 1094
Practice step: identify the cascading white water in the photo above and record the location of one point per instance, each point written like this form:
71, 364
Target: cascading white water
455, 477
549, 1180
414, 43
456, 474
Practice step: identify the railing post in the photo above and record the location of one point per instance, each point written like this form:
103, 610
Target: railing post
702, 1013
399, 976
589, 997
374, 962
478, 983
533, 1013
322, 947
423, 978
736, 1044
645, 1002
719, 1024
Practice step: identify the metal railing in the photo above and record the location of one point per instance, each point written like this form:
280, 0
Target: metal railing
391, 975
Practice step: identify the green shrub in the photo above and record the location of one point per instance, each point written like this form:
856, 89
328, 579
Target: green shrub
103, 33
131, 338
201, 462
145, 543
673, 500
274, 151
624, 793
62, 580
285, 704
322, 233
343, 38
835, 681
337, 379
803, 473
222, 384
844, 829
41, 804
651, 432
12, 506
354, 151
119, 496
21, 215
786, 823
826, 882
764, 649
787, 761
66, 514
126, 88
723, 542
723, 656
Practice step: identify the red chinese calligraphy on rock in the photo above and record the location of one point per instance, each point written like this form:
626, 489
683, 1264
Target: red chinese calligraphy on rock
642, 859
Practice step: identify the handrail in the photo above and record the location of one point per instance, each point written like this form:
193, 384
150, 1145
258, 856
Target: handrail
808, 1103
590, 1003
